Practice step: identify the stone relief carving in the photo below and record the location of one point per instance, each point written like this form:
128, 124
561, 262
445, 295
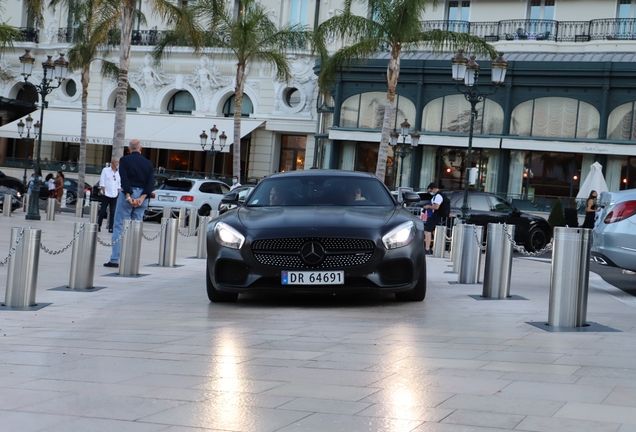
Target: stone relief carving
151, 78
6, 72
207, 78
51, 31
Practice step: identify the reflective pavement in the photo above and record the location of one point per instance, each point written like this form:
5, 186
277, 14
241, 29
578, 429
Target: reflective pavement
152, 354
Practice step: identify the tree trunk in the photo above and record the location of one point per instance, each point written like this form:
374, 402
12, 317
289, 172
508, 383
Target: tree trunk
238, 105
392, 74
119, 136
81, 170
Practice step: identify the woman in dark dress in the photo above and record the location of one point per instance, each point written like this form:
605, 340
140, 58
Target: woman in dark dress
571, 217
590, 210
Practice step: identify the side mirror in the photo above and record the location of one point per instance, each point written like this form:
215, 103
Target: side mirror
410, 197
231, 198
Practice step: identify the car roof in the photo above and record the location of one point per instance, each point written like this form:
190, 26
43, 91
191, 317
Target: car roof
195, 180
319, 172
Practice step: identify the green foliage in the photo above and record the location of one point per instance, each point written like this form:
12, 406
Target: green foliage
557, 218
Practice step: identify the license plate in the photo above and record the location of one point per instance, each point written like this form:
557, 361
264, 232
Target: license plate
166, 198
312, 277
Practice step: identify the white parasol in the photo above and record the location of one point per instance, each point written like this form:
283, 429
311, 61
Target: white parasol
593, 181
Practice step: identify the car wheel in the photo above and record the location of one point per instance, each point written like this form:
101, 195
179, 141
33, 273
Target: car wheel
537, 239
215, 295
205, 210
418, 293
70, 198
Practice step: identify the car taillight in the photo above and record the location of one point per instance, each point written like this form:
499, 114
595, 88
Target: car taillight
152, 195
621, 211
188, 198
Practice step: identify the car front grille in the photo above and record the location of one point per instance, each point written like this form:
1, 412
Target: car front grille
289, 253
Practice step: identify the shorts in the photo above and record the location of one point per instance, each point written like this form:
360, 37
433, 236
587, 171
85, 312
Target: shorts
52, 193
431, 223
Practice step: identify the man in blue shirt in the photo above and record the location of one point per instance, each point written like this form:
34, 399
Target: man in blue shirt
137, 182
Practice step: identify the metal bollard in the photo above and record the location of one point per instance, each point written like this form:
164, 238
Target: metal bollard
168, 243
93, 216
25, 202
471, 255
569, 277
64, 196
6, 204
83, 258
439, 242
87, 198
131, 249
457, 246
192, 221
498, 268
22, 274
167, 212
51, 206
202, 250
183, 214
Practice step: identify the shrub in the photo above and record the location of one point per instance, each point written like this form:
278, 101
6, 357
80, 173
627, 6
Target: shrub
557, 218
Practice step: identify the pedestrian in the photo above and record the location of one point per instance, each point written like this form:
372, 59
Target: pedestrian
235, 183
590, 210
110, 184
59, 189
34, 175
137, 182
50, 182
433, 218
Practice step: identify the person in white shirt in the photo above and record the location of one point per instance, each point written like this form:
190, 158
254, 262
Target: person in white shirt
110, 184
235, 183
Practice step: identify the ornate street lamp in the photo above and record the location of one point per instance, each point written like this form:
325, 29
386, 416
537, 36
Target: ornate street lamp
213, 151
468, 71
28, 139
402, 150
57, 70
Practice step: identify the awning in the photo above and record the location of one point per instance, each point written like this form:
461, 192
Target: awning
163, 131
425, 139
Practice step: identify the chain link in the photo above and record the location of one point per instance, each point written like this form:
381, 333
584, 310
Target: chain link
522, 250
190, 235
103, 243
151, 215
18, 239
164, 224
481, 246
65, 248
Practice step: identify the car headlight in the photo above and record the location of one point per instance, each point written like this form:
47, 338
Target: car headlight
400, 236
228, 236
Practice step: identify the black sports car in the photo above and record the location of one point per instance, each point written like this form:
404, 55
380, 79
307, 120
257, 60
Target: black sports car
317, 231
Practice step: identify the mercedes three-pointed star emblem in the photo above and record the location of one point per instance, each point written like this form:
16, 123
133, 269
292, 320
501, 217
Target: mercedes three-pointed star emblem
312, 253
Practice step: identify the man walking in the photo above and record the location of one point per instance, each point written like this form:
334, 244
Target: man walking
432, 220
137, 182
110, 184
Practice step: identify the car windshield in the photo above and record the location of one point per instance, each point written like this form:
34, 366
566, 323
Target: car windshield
320, 191
177, 185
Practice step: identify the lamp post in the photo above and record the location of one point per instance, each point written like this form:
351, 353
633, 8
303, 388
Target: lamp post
468, 71
28, 139
401, 150
57, 69
213, 151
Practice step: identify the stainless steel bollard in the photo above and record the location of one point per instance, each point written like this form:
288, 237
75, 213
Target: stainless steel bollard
202, 250
214, 214
439, 242
22, 273
25, 202
192, 221
471, 255
183, 215
498, 268
94, 212
167, 212
51, 207
6, 205
83, 258
131, 249
569, 277
457, 246
64, 197
168, 243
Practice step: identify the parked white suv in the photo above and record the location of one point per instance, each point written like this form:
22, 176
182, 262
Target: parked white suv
203, 195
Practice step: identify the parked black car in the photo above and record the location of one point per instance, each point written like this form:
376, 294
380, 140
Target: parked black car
533, 232
6, 192
71, 190
11, 182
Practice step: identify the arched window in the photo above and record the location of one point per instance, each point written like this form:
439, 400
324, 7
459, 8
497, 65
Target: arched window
452, 114
366, 111
246, 107
555, 117
28, 94
621, 124
133, 101
181, 103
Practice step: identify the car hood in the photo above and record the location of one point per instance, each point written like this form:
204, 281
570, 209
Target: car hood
315, 219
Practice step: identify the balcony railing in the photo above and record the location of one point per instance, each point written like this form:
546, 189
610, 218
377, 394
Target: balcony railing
138, 37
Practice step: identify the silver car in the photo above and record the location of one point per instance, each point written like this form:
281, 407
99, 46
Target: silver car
615, 235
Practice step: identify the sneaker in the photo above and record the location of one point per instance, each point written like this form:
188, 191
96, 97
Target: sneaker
111, 264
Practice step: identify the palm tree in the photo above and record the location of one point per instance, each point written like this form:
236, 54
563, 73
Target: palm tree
249, 35
92, 24
9, 34
391, 26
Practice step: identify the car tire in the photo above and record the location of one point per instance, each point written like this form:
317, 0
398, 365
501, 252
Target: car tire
215, 295
537, 239
70, 198
418, 293
205, 210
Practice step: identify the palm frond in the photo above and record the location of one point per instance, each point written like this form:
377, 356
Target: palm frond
8, 35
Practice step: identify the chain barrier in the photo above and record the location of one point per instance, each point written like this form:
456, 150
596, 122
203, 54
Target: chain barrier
151, 215
164, 224
57, 252
13, 248
481, 246
103, 243
190, 235
522, 250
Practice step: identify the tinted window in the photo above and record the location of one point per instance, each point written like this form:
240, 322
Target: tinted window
320, 191
500, 205
478, 202
457, 200
177, 185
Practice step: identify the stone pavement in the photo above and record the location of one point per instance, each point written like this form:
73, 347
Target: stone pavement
152, 354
